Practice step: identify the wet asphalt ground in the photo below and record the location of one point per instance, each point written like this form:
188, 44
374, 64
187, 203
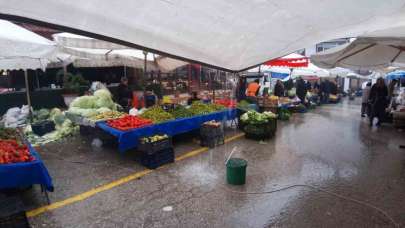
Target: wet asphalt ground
330, 147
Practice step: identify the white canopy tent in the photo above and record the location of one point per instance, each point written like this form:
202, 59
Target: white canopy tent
91, 52
232, 35
21, 49
366, 53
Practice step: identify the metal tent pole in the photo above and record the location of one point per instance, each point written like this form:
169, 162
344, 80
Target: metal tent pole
27, 90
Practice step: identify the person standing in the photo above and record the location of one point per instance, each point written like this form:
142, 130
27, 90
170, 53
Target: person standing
252, 90
124, 94
364, 100
301, 90
378, 100
279, 89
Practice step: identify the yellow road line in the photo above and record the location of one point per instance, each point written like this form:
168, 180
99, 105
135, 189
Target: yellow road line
121, 181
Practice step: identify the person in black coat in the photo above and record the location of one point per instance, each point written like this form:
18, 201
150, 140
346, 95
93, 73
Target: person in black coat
378, 99
124, 94
301, 90
279, 89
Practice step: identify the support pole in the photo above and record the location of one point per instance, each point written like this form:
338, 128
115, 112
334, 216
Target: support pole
144, 70
27, 90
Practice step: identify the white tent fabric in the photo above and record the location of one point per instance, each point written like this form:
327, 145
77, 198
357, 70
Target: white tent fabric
23, 49
233, 35
72, 40
311, 70
380, 49
91, 52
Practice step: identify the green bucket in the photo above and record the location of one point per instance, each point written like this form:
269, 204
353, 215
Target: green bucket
236, 171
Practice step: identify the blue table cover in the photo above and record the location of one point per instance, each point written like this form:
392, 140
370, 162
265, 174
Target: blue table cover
25, 174
129, 139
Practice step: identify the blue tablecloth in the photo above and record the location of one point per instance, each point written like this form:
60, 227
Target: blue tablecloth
129, 139
25, 174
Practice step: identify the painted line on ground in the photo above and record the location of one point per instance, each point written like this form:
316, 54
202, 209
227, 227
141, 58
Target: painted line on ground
116, 183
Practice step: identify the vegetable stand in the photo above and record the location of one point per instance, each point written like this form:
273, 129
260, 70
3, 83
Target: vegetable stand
129, 139
25, 174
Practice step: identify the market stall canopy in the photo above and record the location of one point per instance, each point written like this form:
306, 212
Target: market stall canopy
23, 49
291, 61
90, 52
366, 53
399, 74
231, 35
309, 71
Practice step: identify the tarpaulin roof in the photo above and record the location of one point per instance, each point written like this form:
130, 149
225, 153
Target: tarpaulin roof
23, 49
90, 52
232, 35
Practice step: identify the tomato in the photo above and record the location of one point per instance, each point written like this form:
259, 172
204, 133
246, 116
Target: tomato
12, 152
128, 122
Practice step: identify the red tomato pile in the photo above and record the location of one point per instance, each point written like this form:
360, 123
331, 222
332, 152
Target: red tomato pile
128, 122
226, 102
13, 152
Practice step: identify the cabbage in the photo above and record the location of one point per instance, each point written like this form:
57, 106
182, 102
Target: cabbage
103, 93
104, 103
59, 119
54, 112
84, 102
103, 109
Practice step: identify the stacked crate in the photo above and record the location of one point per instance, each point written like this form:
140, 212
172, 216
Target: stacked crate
211, 135
156, 154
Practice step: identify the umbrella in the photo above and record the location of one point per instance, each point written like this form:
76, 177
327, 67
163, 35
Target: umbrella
23, 49
365, 53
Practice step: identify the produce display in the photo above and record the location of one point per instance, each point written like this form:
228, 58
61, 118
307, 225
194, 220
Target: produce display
88, 106
181, 112
157, 115
245, 106
11, 151
226, 103
154, 138
253, 117
128, 122
199, 108
107, 116
9, 133
63, 128
284, 114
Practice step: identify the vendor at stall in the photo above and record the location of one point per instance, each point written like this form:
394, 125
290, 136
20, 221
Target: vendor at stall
194, 97
124, 94
301, 90
252, 91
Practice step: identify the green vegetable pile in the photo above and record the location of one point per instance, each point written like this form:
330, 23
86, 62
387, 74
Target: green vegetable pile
9, 133
199, 108
284, 114
63, 126
244, 105
254, 118
181, 112
88, 106
157, 115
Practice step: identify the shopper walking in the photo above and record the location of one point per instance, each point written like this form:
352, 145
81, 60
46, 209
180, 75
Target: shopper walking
378, 99
364, 100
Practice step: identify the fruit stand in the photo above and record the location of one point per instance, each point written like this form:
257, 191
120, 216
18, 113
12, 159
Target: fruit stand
20, 164
129, 139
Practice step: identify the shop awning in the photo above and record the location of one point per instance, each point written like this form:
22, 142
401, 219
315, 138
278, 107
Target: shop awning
231, 35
